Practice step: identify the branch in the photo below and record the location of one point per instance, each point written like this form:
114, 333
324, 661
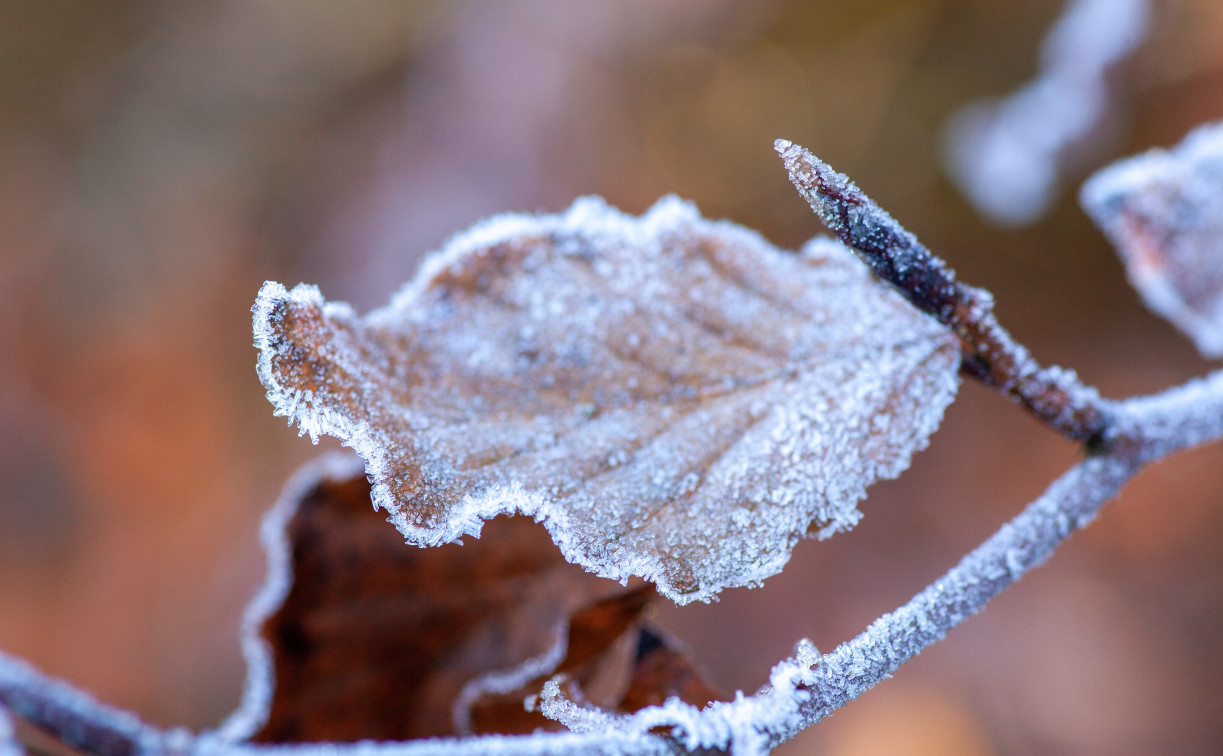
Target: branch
72, 716
78, 720
802, 690
1123, 437
1155, 426
1053, 394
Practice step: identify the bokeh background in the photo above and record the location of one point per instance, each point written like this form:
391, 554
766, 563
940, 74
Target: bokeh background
159, 161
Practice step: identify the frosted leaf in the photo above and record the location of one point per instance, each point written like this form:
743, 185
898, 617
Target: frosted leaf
356, 636
672, 397
1163, 212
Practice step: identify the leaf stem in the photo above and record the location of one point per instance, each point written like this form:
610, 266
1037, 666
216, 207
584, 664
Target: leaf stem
990, 354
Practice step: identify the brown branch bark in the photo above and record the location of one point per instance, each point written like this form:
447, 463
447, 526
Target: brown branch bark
1055, 395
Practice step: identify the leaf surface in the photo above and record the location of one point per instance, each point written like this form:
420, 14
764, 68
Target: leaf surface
673, 398
364, 637
1163, 211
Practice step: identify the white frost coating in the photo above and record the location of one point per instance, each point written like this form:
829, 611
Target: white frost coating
508, 680
1163, 212
747, 725
1006, 155
1179, 418
253, 710
542, 744
672, 397
8, 736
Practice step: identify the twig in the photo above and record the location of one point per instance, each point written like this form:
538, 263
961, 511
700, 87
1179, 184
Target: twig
1053, 394
72, 716
1174, 420
78, 720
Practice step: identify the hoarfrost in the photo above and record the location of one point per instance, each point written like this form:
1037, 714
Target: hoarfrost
747, 725
1006, 154
1163, 211
672, 397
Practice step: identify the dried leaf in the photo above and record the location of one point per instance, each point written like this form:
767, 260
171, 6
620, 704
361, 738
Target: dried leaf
612, 662
674, 398
1164, 213
595, 661
376, 639
660, 672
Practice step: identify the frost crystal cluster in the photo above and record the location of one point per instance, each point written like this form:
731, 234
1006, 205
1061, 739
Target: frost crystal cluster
672, 397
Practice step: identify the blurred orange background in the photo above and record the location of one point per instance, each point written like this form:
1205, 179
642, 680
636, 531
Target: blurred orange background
159, 161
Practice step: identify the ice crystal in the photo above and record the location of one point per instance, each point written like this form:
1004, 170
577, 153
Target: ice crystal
672, 397
1164, 213
746, 725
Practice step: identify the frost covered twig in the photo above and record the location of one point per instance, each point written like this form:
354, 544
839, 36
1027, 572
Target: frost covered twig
1053, 394
802, 690
1174, 420
78, 720
72, 716
1121, 437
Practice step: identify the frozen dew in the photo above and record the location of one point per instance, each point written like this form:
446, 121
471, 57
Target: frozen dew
745, 725
673, 397
1163, 212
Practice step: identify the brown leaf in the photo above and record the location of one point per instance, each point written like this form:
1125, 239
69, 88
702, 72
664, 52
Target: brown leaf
613, 661
1164, 213
674, 398
660, 671
375, 638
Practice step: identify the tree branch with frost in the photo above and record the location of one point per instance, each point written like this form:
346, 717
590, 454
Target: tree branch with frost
808, 687
78, 720
990, 354
1156, 427
802, 690
67, 714
302, 336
